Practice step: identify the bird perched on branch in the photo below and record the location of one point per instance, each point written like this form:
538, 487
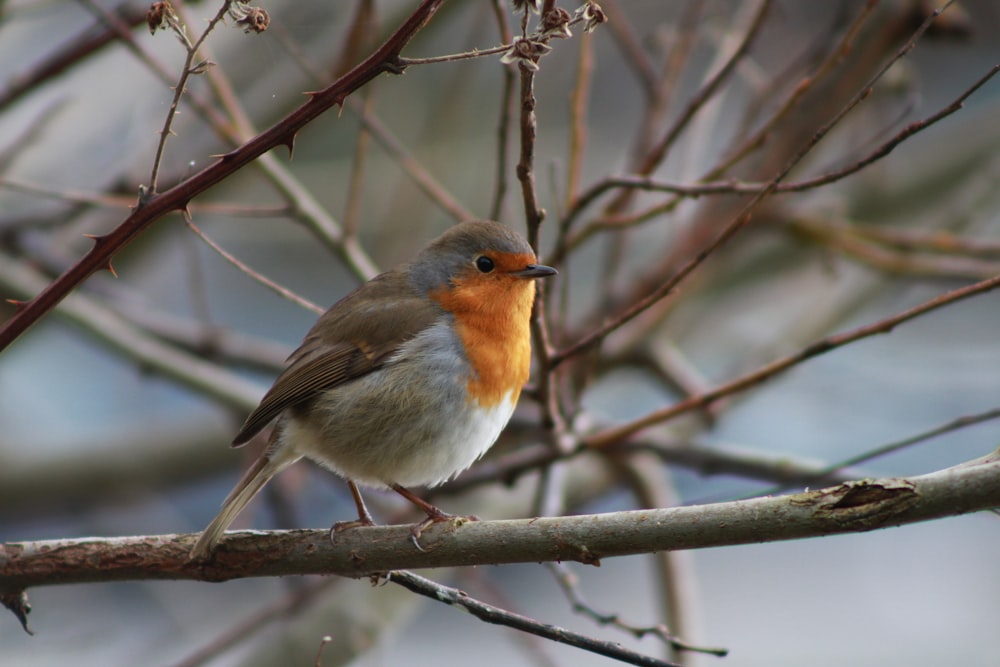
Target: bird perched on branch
407, 380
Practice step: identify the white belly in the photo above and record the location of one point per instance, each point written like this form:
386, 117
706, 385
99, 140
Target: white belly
412, 425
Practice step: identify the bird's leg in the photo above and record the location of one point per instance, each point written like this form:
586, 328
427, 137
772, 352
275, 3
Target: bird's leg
434, 514
364, 516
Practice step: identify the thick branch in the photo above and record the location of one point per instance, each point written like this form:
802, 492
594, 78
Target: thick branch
846, 508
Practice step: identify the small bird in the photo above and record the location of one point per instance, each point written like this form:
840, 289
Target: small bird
407, 380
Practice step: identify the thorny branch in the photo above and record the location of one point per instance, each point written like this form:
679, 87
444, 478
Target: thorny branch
384, 59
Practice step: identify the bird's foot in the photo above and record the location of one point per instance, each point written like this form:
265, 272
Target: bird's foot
341, 526
437, 517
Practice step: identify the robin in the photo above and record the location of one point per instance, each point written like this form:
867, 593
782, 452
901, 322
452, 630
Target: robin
407, 380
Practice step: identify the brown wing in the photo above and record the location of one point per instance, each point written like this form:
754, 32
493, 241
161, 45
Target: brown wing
355, 337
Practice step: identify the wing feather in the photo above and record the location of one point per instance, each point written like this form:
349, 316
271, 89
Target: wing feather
355, 337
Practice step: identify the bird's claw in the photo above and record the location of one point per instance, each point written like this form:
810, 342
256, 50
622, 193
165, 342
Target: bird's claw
341, 526
418, 528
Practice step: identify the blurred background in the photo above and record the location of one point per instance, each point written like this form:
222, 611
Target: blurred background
117, 408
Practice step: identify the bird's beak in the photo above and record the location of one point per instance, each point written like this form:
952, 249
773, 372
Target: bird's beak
535, 271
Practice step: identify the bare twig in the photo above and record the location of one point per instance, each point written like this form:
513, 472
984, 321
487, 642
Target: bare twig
429, 185
455, 57
629, 44
822, 346
703, 459
578, 119
207, 111
659, 150
526, 165
355, 189
834, 57
675, 582
492, 614
218, 343
936, 241
892, 260
359, 35
570, 585
254, 275
889, 448
189, 69
505, 116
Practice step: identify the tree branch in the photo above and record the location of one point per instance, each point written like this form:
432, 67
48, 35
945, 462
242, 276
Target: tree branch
822, 346
384, 59
491, 614
850, 507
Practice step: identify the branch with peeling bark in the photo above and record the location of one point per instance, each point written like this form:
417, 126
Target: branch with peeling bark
847, 508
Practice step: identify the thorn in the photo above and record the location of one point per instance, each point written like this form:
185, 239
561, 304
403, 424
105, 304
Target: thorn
290, 144
98, 239
17, 602
17, 303
111, 269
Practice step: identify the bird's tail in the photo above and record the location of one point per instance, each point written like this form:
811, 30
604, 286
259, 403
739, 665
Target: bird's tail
253, 480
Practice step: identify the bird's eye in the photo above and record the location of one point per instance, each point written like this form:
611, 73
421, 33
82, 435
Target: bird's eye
485, 264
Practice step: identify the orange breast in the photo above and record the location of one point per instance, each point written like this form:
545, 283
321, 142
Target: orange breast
492, 314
